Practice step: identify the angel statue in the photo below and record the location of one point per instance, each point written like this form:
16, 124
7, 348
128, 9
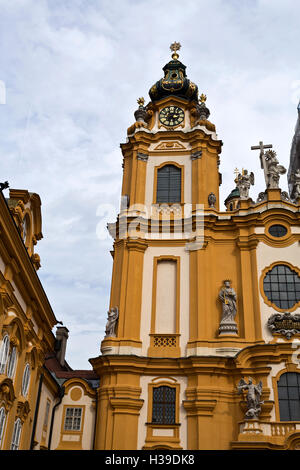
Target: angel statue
253, 397
112, 318
243, 183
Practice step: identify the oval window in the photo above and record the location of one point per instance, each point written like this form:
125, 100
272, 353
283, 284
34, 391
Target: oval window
277, 230
282, 286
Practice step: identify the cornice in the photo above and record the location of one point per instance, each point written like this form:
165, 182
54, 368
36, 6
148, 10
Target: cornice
196, 137
15, 249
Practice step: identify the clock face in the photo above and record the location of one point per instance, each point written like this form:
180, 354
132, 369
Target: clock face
171, 116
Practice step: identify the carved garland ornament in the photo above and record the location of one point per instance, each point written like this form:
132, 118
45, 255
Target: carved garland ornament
285, 324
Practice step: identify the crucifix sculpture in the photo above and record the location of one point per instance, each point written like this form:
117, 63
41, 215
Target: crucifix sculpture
263, 165
270, 165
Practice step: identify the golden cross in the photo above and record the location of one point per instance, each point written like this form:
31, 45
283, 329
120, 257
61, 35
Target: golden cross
236, 172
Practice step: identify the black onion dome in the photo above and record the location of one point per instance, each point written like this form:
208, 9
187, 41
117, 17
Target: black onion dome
174, 83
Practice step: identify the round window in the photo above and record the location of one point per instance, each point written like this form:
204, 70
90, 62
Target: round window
282, 286
277, 230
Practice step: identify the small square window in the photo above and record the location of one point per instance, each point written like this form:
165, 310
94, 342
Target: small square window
73, 419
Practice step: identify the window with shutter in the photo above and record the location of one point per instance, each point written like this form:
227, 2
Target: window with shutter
168, 184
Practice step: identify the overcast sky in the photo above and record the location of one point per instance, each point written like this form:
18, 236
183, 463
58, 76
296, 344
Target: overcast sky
70, 75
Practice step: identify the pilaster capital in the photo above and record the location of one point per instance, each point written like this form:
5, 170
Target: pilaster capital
142, 156
196, 155
137, 245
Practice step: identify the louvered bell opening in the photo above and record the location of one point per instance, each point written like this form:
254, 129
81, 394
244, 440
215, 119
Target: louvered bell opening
168, 184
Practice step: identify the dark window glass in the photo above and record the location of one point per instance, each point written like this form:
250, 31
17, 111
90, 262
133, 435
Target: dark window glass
281, 286
277, 231
163, 410
289, 396
168, 184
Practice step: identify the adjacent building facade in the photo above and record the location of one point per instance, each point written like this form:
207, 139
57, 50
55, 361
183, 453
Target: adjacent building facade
44, 404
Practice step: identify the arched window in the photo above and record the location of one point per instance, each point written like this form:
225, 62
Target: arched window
12, 360
282, 286
4, 351
168, 187
15, 442
2, 423
25, 380
289, 396
164, 405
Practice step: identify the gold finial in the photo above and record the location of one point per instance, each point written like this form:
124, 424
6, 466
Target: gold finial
175, 46
141, 101
236, 172
202, 98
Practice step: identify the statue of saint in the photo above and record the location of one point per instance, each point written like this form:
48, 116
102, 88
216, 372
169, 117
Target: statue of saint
272, 169
295, 178
112, 318
253, 397
227, 296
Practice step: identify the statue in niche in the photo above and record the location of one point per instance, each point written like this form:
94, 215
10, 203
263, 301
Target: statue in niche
253, 397
227, 296
272, 169
112, 318
243, 182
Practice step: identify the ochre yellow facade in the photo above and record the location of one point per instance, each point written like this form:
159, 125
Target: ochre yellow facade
202, 341
202, 246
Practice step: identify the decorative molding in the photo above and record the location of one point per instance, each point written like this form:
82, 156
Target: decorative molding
170, 145
142, 156
196, 155
284, 324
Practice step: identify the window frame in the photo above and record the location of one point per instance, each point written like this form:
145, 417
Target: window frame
4, 353
67, 407
2, 424
26, 380
269, 302
288, 399
13, 365
156, 170
168, 407
16, 436
168, 382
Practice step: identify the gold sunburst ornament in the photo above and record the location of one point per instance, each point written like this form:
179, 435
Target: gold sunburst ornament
175, 46
141, 101
202, 98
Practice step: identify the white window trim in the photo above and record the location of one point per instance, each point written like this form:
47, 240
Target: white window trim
2, 423
12, 361
73, 418
15, 442
4, 351
26, 380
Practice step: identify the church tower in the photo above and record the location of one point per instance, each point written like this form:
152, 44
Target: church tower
189, 305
